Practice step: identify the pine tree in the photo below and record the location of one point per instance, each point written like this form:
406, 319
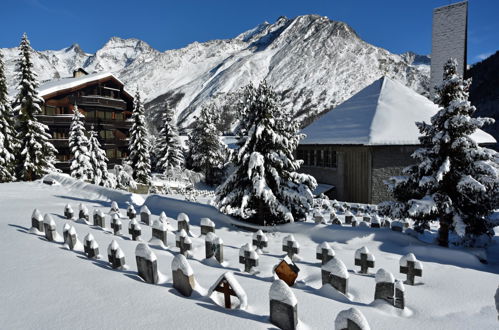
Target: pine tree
265, 187
207, 152
8, 140
139, 158
35, 155
98, 161
246, 117
81, 168
169, 150
455, 180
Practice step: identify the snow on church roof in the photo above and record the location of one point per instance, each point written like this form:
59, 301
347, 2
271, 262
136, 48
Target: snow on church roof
383, 113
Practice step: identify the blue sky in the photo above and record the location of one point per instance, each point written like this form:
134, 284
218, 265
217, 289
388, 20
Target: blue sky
397, 25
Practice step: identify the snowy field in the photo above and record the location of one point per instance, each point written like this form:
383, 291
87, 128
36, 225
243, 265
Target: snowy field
46, 286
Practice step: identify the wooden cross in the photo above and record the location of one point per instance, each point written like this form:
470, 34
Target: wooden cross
325, 255
259, 242
364, 263
225, 288
116, 226
411, 272
247, 261
83, 214
290, 249
183, 245
135, 232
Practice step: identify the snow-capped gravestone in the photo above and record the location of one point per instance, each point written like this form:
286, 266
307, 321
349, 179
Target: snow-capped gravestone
183, 275
145, 215
114, 207
183, 242
49, 228
366, 218
388, 289
159, 231
183, 223
351, 319
65, 230
363, 224
387, 223
83, 212
287, 271
355, 222
411, 266
99, 218
364, 259
37, 220
324, 253
332, 216
397, 226
291, 246
336, 222
130, 212
116, 224
214, 247
248, 257
68, 212
319, 218
147, 263
229, 287
260, 240
134, 229
115, 255
207, 226
90, 246
335, 273
375, 221
283, 306
71, 238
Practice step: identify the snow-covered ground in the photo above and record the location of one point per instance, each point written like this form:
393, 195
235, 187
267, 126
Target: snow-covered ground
45, 286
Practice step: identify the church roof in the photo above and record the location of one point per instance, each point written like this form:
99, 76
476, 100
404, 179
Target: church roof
383, 113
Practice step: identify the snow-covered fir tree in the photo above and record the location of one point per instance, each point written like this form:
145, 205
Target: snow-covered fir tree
8, 140
139, 158
35, 155
265, 187
455, 181
99, 161
81, 168
169, 150
207, 152
246, 117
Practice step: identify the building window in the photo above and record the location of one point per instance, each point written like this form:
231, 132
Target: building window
320, 157
106, 134
110, 153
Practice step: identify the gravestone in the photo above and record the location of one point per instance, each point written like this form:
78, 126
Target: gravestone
348, 217
287, 271
387, 223
335, 273
65, 231
115, 255
336, 222
130, 212
324, 253
363, 224
332, 216
71, 238
183, 223
114, 207
319, 218
399, 299
159, 231
229, 287
134, 229
355, 222
68, 212
260, 240
49, 228
145, 215
183, 275
411, 266
183, 242
90, 246
366, 218
147, 263
283, 306
364, 259
99, 218
291, 246
354, 208
375, 221
248, 257
37, 220
207, 226
351, 319
397, 226
83, 212
214, 247
116, 224
388, 289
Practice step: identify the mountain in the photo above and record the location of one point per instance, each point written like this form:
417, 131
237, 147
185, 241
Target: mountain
313, 63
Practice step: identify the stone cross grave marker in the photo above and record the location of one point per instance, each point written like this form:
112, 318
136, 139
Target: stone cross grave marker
116, 224
229, 287
134, 229
159, 231
65, 231
114, 207
145, 215
71, 238
366, 218
248, 257
324, 253
283, 306
389, 290
37, 220
115, 255
183, 242
260, 240
225, 288
411, 266
290, 245
387, 223
214, 247
351, 319
130, 212
375, 221
183, 275
83, 212
364, 259
207, 226
49, 228
147, 263
68, 212
183, 223
335, 273
90, 246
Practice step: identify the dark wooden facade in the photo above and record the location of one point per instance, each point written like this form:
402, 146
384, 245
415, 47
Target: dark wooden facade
107, 108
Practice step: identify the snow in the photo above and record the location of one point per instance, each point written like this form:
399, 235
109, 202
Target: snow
210, 237
143, 251
160, 225
89, 238
280, 291
384, 113
364, 250
183, 217
383, 276
353, 314
133, 224
291, 238
67, 83
399, 285
206, 222
180, 262
238, 289
325, 245
261, 235
336, 267
112, 247
410, 257
145, 209
36, 215
47, 219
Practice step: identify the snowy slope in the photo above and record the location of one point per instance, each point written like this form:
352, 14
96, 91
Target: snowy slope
45, 286
313, 62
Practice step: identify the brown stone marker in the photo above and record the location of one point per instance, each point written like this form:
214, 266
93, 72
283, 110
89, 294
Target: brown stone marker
287, 271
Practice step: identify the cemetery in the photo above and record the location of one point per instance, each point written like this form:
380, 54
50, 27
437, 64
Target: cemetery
175, 255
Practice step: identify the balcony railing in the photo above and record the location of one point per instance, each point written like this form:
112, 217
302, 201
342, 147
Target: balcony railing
65, 120
96, 100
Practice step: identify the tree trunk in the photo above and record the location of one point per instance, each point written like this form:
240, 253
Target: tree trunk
443, 231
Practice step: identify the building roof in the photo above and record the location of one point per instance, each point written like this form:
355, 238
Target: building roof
383, 113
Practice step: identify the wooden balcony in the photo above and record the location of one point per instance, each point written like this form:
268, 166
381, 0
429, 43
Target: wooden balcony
107, 143
98, 123
101, 101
